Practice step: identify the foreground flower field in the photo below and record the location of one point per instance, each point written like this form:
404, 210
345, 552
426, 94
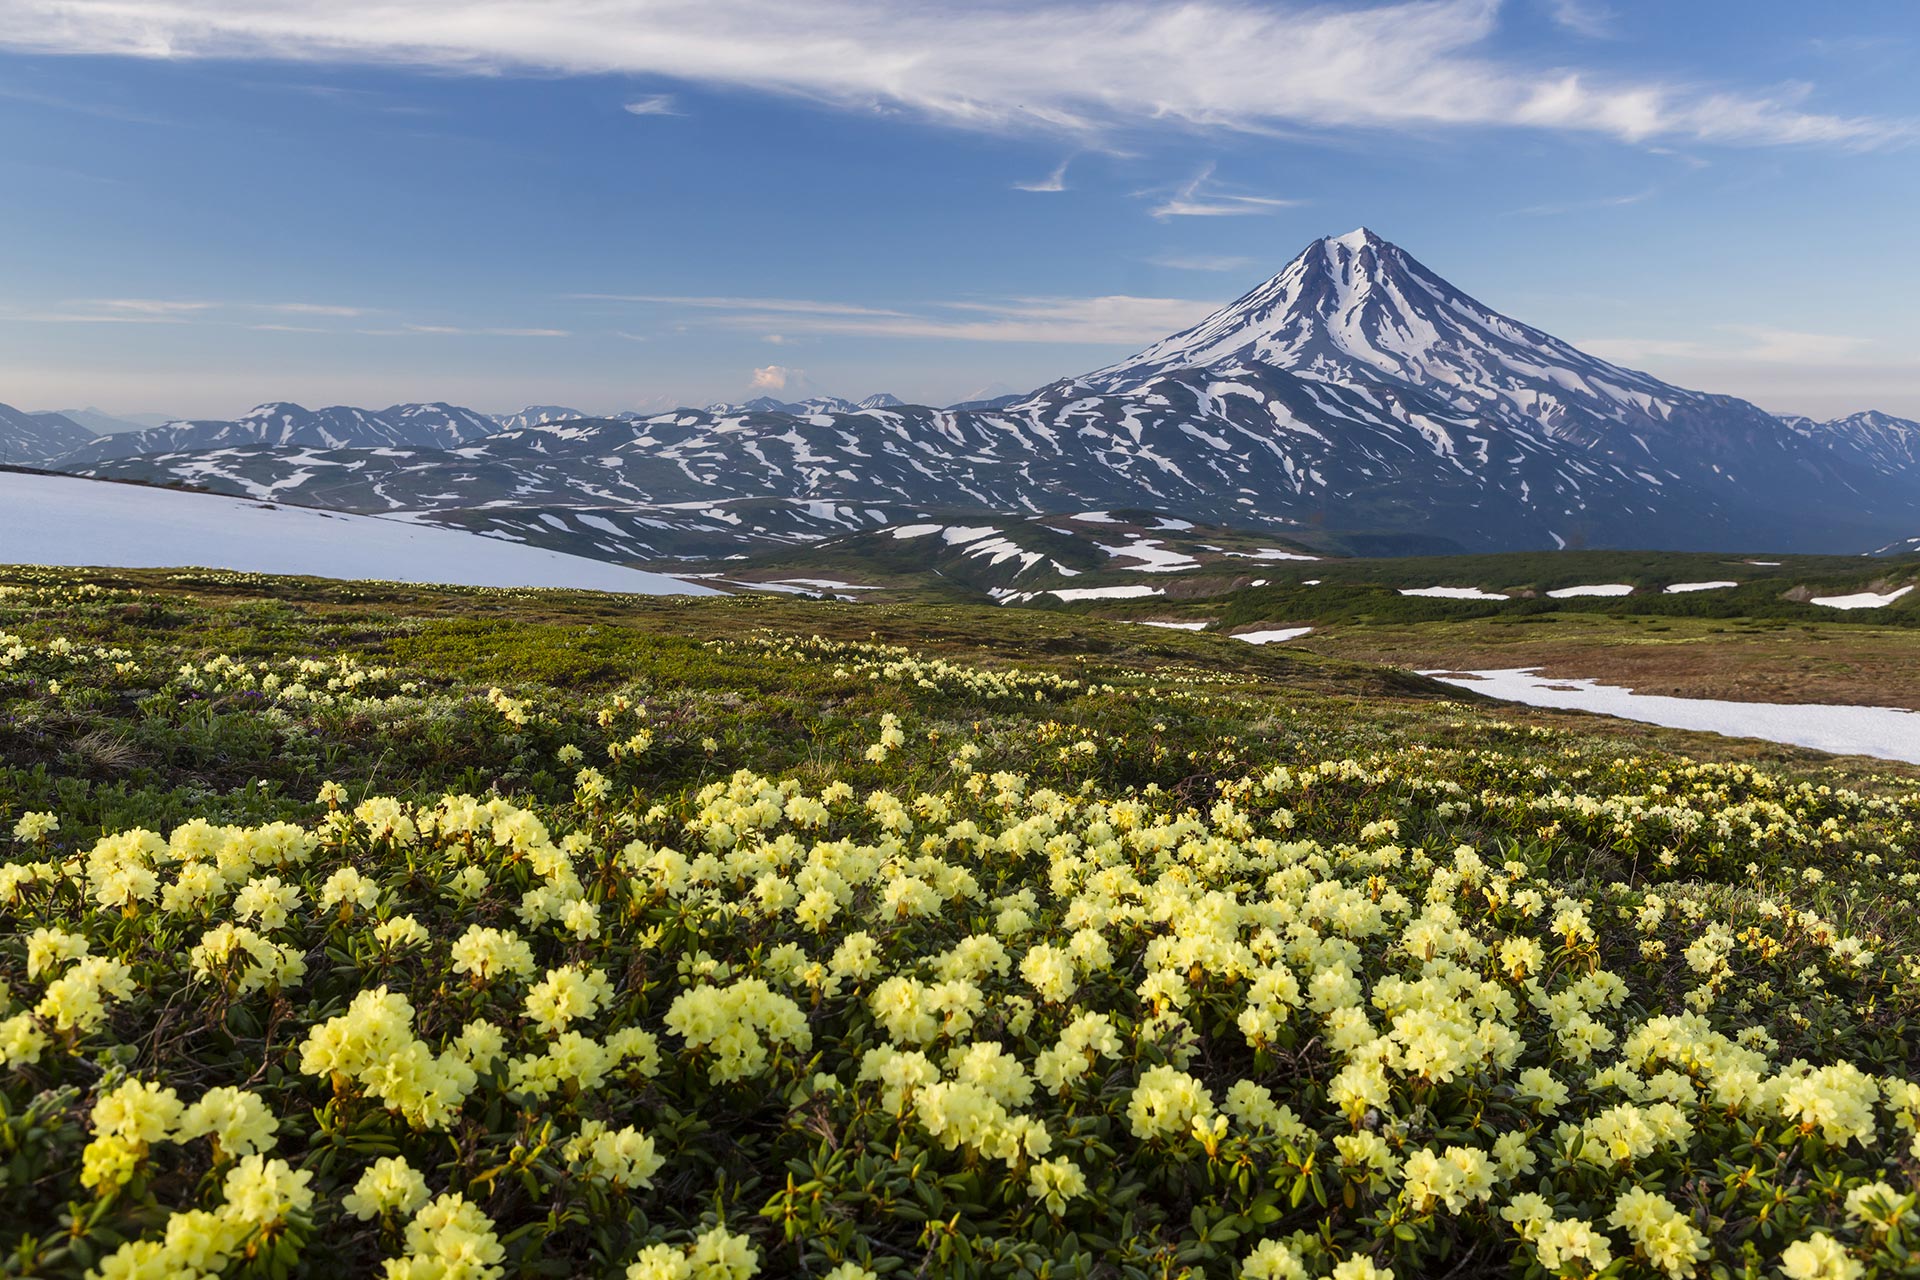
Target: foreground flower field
706, 954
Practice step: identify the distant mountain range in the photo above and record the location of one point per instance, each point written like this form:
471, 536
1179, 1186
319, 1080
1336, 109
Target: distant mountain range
32, 439
290, 426
100, 422
1356, 398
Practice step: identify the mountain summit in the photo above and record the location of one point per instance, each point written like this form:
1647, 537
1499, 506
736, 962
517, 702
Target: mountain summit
1359, 309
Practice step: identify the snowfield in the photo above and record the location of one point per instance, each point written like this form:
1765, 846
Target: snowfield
1603, 589
1271, 553
1452, 593
1682, 588
1860, 600
1891, 733
1132, 592
1277, 635
66, 520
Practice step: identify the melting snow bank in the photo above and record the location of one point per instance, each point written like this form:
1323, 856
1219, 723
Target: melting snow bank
1007, 595
1273, 637
1105, 593
1271, 553
1863, 600
1681, 588
1888, 732
827, 584
67, 520
1607, 589
1171, 626
1452, 593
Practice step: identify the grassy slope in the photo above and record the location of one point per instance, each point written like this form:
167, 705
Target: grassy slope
1758, 641
1186, 715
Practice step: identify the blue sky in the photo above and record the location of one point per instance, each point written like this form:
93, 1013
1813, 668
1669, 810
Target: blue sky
639, 205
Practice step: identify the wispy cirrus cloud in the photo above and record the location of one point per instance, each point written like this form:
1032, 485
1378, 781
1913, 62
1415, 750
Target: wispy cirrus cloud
1040, 320
460, 331
711, 303
186, 308
1201, 197
1082, 67
1587, 18
312, 309
657, 104
1742, 343
1200, 262
149, 306
1055, 181
245, 315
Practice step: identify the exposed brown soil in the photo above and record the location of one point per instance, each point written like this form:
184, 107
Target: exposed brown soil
1686, 658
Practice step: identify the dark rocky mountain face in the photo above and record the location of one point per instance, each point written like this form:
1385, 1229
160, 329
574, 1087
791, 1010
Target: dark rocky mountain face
1356, 392
36, 439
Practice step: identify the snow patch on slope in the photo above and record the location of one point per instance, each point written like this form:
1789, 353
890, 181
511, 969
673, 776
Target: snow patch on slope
65, 520
1890, 733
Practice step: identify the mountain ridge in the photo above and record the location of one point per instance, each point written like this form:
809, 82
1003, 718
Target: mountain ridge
1354, 391
283, 423
34, 439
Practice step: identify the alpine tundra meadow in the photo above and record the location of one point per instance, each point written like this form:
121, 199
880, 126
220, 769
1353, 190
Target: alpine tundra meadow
1067, 707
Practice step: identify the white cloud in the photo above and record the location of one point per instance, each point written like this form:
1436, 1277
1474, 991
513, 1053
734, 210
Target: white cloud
1200, 262
657, 104
1743, 344
312, 309
1055, 181
1117, 318
774, 377
800, 305
448, 330
1200, 197
1068, 67
1583, 17
150, 306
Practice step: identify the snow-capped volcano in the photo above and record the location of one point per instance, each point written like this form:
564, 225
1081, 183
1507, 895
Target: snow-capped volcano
1357, 309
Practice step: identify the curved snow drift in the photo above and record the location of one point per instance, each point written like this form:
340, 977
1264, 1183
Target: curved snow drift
66, 520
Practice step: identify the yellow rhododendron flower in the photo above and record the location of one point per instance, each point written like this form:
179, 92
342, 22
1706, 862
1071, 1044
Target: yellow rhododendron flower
1660, 1231
239, 1121
263, 1192
1820, 1257
1054, 1182
1272, 1260
389, 1186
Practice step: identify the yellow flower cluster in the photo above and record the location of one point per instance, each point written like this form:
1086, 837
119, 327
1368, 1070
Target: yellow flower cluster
372, 1045
736, 1024
717, 1254
998, 979
900, 665
260, 1194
